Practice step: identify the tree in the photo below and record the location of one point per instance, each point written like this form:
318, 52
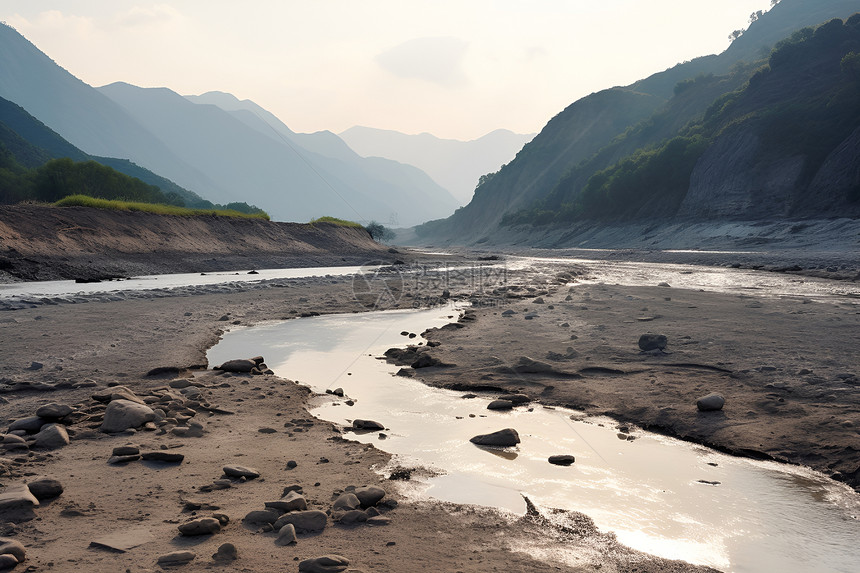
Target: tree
378, 232
735, 35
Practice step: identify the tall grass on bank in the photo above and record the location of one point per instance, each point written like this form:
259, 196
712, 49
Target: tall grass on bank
336, 221
156, 208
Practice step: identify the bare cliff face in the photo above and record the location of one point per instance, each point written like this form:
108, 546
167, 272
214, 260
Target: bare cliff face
737, 176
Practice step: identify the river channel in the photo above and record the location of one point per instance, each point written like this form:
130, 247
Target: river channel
658, 495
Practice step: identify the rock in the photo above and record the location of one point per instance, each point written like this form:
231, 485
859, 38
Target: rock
194, 430
203, 526
262, 516
378, 520
539, 300
502, 438
13, 547
125, 451
166, 457
424, 360
45, 488
345, 502
35, 366
324, 564
710, 403
17, 497
500, 405
123, 414
8, 561
117, 393
54, 411
509, 312
30, 425
652, 342
226, 552
14, 442
304, 521
369, 496
367, 425
52, 437
352, 517
562, 460
241, 365
526, 365
123, 539
286, 535
176, 558
240, 472
179, 383
117, 460
293, 501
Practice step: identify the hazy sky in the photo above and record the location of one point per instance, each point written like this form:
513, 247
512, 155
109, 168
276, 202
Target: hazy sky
454, 68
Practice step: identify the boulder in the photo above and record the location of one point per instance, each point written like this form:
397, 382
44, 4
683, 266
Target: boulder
52, 437
303, 521
240, 365
30, 425
45, 488
562, 460
17, 497
226, 552
648, 342
369, 496
12, 547
262, 516
500, 405
8, 561
123, 414
54, 411
293, 501
345, 502
324, 564
502, 438
352, 517
710, 403
367, 425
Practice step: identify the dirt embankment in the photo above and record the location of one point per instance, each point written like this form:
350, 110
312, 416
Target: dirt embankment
49, 243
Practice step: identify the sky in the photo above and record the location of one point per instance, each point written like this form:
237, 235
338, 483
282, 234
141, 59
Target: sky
455, 68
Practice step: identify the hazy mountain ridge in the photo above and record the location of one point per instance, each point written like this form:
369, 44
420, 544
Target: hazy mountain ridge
290, 182
641, 143
455, 165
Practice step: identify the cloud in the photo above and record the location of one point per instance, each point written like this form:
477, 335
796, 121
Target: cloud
435, 60
54, 21
147, 16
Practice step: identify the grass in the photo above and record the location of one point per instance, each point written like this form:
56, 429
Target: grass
336, 221
156, 208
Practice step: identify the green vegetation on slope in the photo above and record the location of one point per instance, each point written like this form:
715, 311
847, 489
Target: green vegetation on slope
805, 102
336, 221
158, 209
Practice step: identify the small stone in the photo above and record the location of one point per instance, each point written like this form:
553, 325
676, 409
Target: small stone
203, 526
286, 535
324, 564
304, 521
52, 437
119, 460
352, 517
517, 398
125, 451
54, 411
45, 488
648, 342
502, 438
369, 425
262, 516
226, 552
241, 365
500, 405
122, 414
378, 520
240, 472
710, 403
30, 425
166, 457
562, 460
8, 561
176, 558
293, 501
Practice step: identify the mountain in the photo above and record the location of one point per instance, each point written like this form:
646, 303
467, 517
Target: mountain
210, 151
641, 165
391, 178
455, 165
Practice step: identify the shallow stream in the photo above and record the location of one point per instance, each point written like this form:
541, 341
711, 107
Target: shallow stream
658, 495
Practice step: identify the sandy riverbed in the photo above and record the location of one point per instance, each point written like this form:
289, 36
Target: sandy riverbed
785, 368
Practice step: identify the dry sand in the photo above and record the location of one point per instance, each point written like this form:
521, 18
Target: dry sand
85, 348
